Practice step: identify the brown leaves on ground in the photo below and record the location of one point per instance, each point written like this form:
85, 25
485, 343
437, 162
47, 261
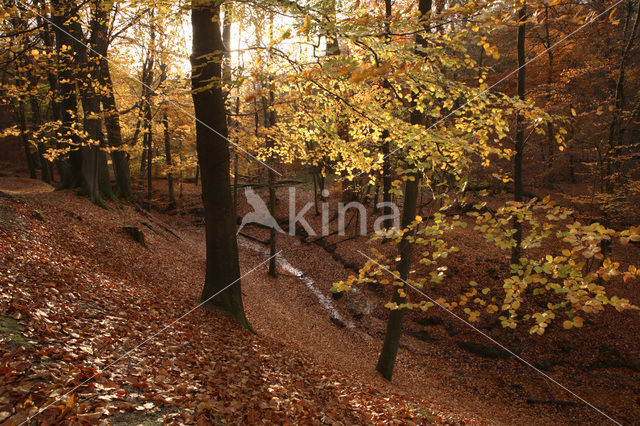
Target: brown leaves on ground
79, 297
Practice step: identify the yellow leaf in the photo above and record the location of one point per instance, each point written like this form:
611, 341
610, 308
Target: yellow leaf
567, 325
614, 22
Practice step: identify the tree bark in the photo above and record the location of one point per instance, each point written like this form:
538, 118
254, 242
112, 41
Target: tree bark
70, 168
31, 164
45, 165
519, 148
386, 143
615, 130
119, 158
167, 157
95, 172
269, 120
389, 352
223, 267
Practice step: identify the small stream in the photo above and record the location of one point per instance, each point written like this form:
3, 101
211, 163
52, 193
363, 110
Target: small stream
281, 261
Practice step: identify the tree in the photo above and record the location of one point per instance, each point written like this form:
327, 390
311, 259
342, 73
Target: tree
519, 148
213, 155
387, 359
119, 158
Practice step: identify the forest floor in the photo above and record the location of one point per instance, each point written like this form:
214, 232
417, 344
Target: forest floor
81, 297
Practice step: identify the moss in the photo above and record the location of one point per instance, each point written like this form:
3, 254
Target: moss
10, 220
13, 331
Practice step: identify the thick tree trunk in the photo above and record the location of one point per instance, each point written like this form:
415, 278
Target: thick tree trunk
517, 161
71, 168
119, 159
95, 172
223, 267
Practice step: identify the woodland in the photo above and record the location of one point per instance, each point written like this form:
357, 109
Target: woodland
452, 190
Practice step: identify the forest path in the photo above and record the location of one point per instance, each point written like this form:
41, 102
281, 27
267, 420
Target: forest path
287, 310
23, 186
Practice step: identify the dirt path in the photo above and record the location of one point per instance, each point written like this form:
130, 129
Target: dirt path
286, 309
23, 186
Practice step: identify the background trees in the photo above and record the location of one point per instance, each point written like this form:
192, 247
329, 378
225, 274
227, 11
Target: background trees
408, 100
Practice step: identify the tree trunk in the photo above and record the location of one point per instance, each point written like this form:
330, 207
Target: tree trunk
387, 360
148, 140
119, 159
223, 267
236, 159
389, 351
615, 131
167, 157
269, 120
517, 161
146, 114
70, 168
45, 165
95, 172
386, 143
31, 164
548, 44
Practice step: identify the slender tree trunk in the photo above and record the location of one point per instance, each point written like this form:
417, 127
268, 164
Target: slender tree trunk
167, 157
52, 78
517, 162
31, 164
615, 131
149, 148
21, 64
386, 179
389, 352
548, 44
146, 116
387, 359
181, 173
36, 118
45, 165
269, 120
386, 143
223, 267
315, 192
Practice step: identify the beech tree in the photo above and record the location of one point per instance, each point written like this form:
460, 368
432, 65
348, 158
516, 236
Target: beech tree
214, 158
